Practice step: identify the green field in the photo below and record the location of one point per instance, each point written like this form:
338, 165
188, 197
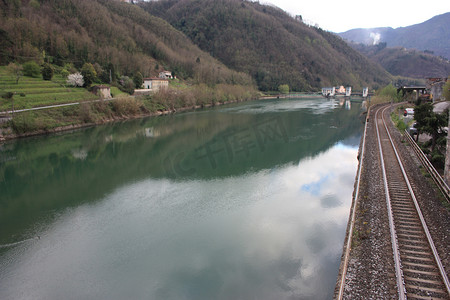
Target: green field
34, 92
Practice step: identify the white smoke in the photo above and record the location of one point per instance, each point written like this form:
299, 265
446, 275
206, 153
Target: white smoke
376, 37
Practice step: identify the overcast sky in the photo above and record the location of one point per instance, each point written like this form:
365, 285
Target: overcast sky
339, 16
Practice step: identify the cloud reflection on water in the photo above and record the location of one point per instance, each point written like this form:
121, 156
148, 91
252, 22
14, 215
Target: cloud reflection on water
259, 235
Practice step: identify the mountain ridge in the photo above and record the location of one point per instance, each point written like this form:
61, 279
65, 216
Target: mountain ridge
432, 36
203, 41
270, 45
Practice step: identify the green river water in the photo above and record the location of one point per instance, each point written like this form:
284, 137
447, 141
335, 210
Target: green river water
244, 201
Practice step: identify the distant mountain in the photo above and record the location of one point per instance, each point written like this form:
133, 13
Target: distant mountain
267, 43
406, 62
432, 36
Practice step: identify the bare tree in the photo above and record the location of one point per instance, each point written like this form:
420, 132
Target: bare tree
16, 70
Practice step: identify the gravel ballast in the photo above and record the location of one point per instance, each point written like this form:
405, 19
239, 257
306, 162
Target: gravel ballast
370, 272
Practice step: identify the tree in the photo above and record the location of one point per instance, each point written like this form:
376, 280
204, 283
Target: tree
64, 73
284, 89
31, 69
75, 79
138, 80
126, 84
390, 92
98, 69
47, 72
15, 70
89, 74
430, 122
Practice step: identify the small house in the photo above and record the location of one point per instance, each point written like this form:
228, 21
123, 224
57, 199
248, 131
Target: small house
156, 84
103, 91
436, 87
165, 75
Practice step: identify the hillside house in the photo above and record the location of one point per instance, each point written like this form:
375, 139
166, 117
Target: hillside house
165, 75
156, 84
435, 87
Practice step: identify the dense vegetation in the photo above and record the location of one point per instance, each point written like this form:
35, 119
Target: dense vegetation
118, 37
406, 62
267, 43
434, 124
97, 112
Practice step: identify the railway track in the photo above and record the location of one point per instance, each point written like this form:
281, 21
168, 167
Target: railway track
418, 268
419, 273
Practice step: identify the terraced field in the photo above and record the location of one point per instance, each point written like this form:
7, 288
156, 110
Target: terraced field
34, 92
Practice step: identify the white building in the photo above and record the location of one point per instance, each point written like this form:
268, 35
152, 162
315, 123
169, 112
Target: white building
156, 84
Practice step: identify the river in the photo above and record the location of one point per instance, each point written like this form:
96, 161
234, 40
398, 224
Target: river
244, 201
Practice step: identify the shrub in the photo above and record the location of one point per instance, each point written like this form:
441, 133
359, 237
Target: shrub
398, 121
31, 69
64, 73
126, 84
23, 122
89, 74
390, 92
7, 95
47, 72
284, 89
86, 113
70, 68
126, 106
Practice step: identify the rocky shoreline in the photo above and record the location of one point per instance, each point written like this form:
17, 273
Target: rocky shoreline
370, 273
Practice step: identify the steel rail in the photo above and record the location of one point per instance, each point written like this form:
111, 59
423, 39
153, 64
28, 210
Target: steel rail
418, 210
430, 168
353, 215
395, 248
401, 286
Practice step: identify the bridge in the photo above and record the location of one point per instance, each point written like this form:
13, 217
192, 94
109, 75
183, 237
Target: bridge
319, 95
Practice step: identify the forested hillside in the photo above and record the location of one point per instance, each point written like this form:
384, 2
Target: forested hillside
406, 62
268, 44
113, 35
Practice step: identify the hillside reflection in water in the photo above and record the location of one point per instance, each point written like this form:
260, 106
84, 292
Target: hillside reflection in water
244, 201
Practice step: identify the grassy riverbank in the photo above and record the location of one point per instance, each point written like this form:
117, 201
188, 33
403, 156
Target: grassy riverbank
124, 107
32, 92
